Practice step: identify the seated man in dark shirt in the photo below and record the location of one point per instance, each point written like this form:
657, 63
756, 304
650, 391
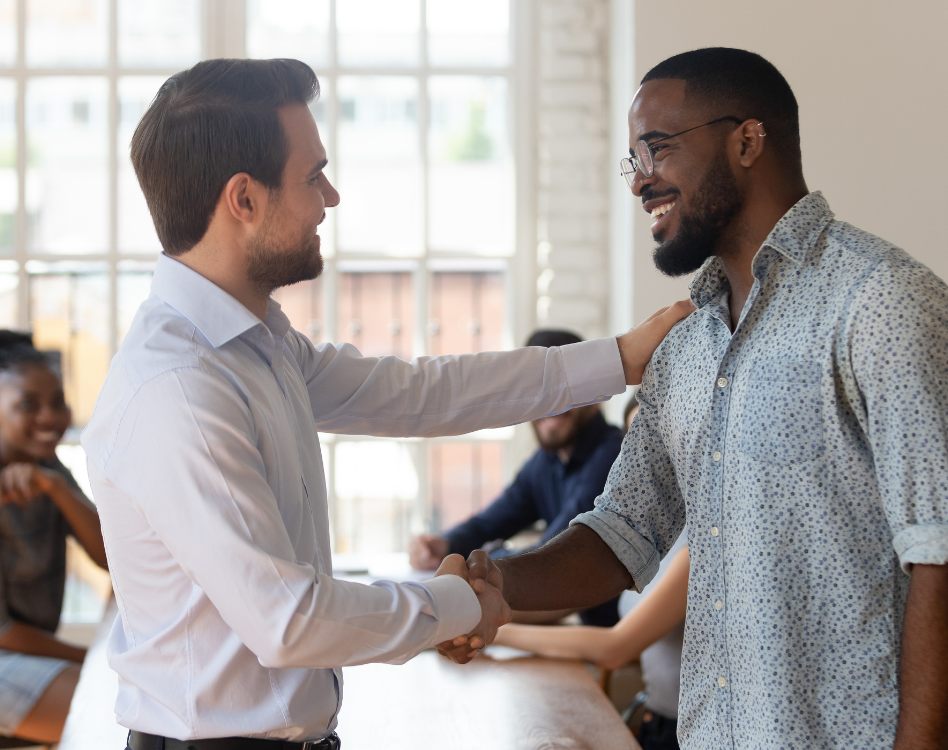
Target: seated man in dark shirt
560, 481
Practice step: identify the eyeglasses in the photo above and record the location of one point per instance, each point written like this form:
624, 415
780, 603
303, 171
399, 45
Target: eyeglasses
642, 156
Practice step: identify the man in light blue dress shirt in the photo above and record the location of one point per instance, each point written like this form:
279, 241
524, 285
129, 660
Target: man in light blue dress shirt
203, 451
797, 421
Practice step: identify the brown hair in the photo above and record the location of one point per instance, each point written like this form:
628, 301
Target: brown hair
207, 124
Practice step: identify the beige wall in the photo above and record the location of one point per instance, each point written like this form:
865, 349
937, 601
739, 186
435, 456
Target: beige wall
871, 77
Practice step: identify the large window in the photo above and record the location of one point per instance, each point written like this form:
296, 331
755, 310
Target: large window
418, 114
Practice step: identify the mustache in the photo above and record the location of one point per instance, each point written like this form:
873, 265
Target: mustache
321, 219
652, 194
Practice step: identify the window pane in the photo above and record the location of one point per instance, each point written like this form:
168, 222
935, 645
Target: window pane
159, 33
7, 32
289, 28
378, 32
136, 231
303, 305
69, 33
9, 282
464, 33
471, 175
463, 478
374, 508
8, 186
67, 184
375, 313
69, 314
379, 166
133, 289
466, 313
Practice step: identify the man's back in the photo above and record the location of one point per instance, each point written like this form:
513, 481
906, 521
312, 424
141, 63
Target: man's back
808, 451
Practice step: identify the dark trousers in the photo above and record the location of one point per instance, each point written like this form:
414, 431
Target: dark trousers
658, 732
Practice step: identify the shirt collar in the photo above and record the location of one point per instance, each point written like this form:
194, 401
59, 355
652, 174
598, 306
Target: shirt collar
793, 236
218, 316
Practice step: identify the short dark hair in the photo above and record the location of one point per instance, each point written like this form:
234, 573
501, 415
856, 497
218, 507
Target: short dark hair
742, 84
207, 124
552, 337
17, 351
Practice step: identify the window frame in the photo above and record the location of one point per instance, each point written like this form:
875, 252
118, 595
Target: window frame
223, 34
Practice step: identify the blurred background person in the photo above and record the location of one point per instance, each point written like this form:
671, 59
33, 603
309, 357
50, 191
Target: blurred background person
652, 630
40, 503
558, 482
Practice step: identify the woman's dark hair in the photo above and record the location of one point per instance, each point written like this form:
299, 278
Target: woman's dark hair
735, 82
17, 351
207, 124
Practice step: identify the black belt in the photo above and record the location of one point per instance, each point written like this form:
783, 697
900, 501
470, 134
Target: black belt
140, 741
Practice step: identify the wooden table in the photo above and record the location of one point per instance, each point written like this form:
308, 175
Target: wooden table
521, 703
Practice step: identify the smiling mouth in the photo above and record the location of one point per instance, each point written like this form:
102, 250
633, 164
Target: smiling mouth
659, 211
47, 436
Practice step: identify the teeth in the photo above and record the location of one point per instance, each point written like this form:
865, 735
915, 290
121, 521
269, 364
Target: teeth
662, 210
44, 436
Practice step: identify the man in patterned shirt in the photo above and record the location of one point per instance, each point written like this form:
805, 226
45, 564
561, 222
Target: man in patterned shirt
797, 422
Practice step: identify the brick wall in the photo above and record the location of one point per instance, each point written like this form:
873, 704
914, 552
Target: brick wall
573, 138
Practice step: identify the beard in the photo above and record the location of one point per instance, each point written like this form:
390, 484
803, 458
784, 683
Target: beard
717, 201
276, 262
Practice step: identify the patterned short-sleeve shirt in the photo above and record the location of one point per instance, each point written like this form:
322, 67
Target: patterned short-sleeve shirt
808, 452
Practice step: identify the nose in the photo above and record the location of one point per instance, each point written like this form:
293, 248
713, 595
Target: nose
330, 194
639, 181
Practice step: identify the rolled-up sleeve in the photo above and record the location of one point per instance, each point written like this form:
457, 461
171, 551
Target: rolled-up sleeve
898, 337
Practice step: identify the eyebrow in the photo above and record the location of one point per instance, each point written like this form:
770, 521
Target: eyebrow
653, 134
317, 169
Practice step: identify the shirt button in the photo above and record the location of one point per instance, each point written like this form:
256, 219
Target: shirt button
714, 531
722, 682
722, 382
716, 455
719, 605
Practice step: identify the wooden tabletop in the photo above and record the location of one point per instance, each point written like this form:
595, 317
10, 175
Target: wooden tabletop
521, 703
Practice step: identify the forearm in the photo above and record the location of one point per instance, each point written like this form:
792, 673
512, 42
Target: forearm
83, 520
25, 639
582, 642
575, 570
923, 690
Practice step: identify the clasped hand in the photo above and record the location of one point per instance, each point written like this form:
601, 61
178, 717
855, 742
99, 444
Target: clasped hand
487, 582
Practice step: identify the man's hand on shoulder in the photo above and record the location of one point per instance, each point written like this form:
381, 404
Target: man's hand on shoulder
637, 346
425, 552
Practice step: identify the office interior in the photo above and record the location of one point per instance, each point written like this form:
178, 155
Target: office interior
475, 146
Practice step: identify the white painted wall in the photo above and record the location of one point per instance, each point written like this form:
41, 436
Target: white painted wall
870, 78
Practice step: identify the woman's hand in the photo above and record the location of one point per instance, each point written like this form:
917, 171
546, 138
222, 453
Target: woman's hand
21, 483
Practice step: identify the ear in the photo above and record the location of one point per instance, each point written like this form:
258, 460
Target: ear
244, 198
753, 139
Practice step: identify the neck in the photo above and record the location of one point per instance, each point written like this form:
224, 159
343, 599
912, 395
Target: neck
565, 453
223, 262
763, 209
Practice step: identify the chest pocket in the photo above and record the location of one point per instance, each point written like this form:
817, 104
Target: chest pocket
782, 418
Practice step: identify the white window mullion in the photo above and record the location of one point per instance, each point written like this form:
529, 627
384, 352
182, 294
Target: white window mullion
21, 220
112, 71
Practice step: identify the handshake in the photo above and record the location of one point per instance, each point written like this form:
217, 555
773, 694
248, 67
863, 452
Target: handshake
487, 582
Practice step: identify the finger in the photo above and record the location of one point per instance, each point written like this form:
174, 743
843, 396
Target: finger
479, 567
477, 642
654, 315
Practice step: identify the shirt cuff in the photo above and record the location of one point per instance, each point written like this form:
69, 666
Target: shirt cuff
925, 544
593, 370
456, 608
634, 551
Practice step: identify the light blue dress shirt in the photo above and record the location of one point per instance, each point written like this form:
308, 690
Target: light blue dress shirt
808, 453
205, 464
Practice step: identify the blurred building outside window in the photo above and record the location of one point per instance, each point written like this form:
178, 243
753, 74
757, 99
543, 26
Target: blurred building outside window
416, 111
